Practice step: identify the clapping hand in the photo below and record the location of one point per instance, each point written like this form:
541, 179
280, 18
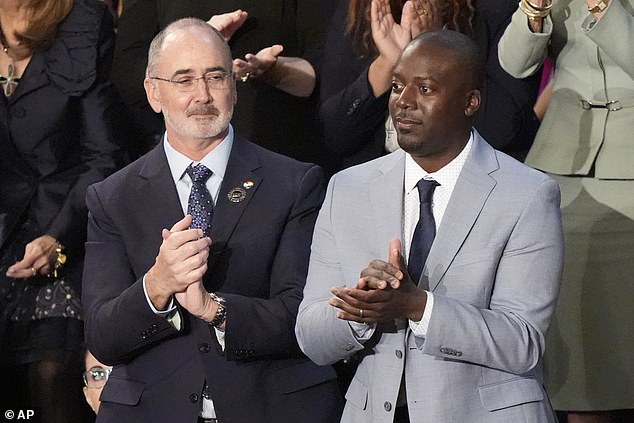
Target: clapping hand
228, 23
384, 292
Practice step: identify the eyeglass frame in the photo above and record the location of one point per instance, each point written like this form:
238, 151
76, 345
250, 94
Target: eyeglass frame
106, 371
179, 84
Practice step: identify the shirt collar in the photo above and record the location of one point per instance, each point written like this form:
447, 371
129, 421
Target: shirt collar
447, 176
216, 160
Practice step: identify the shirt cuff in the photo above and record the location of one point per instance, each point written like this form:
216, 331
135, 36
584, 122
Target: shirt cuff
170, 314
419, 329
362, 332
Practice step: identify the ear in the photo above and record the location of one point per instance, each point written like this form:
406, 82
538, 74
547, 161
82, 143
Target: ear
473, 103
152, 93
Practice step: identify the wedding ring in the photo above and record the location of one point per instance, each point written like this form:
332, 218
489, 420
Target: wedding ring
361, 313
34, 271
245, 78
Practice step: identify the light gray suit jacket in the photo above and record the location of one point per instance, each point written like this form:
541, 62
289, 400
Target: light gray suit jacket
494, 269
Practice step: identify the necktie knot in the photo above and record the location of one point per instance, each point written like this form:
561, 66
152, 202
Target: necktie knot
426, 189
199, 173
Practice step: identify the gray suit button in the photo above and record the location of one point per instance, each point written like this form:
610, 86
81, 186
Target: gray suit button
387, 405
399, 354
193, 398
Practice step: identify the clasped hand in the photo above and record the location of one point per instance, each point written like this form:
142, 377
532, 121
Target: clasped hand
384, 292
179, 269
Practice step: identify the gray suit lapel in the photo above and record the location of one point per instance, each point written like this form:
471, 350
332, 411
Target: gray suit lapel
386, 196
472, 189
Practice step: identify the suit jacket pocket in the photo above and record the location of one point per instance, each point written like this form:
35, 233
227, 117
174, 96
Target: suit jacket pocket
357, 394
510, 393
122, 391
301, 376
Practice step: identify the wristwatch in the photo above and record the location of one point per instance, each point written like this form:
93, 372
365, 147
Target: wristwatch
221, 313
598, 7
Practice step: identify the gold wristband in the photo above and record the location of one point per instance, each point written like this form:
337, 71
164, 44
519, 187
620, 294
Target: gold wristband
599, 7
534, 12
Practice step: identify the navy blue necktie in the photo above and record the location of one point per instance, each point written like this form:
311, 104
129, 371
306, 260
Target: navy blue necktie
200, 204
425, 230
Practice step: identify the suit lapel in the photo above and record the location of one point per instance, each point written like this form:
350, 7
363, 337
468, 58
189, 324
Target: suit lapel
386, 194
239, 175
157, 192
472, 189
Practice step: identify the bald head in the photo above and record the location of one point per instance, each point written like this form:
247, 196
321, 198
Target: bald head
467, 54
182, 27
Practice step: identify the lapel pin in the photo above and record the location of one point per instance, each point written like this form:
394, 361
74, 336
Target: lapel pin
237, 195
248, 184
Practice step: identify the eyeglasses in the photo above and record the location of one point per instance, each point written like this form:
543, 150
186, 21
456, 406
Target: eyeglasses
213, 80
96, 377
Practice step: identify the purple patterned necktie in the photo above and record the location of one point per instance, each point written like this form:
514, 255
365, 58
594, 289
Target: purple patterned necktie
425, 231
200, 204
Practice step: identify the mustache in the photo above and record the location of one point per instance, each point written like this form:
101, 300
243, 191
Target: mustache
202, 109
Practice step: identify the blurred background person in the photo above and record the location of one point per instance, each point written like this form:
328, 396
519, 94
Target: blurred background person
275, 44
95, 377
57, 136
358, 59
585, 141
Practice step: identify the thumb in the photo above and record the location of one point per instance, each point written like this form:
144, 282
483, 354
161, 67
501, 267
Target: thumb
395, 257
182, 224
276, 50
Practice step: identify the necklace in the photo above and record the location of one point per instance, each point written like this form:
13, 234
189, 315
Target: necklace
10, 81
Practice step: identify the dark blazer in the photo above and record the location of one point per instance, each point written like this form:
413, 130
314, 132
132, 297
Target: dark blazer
258, 262
58, 133
265, 115
353, 119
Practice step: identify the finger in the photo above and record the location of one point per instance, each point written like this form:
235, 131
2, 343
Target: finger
276, 50
370, 282
177, 239
379, 275
182, 224
382, 266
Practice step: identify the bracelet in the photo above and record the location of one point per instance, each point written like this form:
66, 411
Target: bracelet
221, 313
534, 12
59, 261
599, 7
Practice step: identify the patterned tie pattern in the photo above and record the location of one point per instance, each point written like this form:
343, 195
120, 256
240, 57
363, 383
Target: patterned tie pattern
425, 230
200, 204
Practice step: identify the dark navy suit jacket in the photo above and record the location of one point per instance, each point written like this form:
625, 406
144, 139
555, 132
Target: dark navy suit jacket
258, 262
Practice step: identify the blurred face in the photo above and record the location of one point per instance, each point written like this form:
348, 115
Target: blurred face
198, 103
430, 104
95, 378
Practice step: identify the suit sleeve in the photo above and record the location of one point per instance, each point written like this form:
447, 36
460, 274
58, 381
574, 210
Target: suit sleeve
119, 323
521, 51
263, 327
509, 334
603, 34
321, 336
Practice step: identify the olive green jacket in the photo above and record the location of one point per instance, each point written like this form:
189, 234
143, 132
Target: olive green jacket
590, 119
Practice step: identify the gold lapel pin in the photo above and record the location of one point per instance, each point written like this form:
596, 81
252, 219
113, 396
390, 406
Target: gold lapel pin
237, 195
248, 184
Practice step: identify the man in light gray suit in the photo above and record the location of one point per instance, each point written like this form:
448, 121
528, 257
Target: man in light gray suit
464, 343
